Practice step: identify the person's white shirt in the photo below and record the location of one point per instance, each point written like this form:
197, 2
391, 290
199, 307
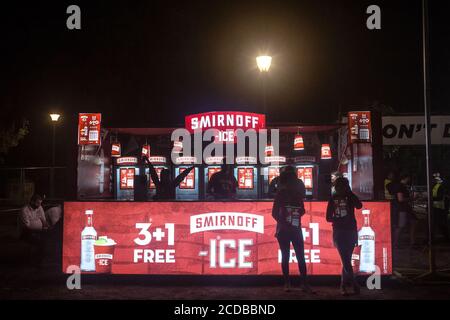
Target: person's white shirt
33, 219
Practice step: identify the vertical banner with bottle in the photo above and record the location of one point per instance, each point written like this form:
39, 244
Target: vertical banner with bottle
89, 125
223, 238
360, 127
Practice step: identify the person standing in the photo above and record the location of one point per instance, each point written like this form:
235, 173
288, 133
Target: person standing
287, 210
223, 184
34, 227
334, 176
439, 212
404, 209
165, 185
391, 184
341, 213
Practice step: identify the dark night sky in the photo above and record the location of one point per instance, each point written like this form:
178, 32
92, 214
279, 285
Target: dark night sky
149, 63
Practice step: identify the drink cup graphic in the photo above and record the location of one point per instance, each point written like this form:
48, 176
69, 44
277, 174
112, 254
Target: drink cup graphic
104, 254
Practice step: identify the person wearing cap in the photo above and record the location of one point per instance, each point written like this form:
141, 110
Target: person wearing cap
439, 212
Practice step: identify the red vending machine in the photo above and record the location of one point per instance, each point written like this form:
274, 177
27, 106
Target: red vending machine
125, 168
213, 165
307, 171
159, 163
189, 188
270, 171
246, 173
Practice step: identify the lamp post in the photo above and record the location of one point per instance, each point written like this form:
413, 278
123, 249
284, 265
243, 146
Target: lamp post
55, 118
433, 275
263, 62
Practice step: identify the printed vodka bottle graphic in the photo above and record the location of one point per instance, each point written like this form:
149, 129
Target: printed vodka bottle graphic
366, 241
88, 237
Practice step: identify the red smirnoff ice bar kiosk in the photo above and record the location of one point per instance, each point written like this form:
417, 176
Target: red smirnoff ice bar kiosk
105, 230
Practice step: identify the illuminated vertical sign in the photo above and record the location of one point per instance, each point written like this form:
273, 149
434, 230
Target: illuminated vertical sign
245, 178
127, 178
359, 126
89, 126
189, 181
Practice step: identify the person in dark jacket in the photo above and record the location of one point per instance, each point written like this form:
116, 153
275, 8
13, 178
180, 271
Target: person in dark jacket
165, 186
403, 204
341, 213
288, 208
223, 184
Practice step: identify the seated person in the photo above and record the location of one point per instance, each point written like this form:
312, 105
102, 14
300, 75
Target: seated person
33, 223
32, 216
223, 184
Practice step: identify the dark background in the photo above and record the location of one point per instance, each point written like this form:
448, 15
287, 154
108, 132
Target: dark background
149, 63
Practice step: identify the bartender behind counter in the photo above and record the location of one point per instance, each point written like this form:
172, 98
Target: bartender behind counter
223, 184
165, 186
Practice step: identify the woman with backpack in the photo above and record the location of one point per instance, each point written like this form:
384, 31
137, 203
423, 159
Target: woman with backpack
341, 213
288, 208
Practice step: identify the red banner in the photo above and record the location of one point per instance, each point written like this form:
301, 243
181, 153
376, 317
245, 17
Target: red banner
359, 126
226, 123
211, 238
89, 125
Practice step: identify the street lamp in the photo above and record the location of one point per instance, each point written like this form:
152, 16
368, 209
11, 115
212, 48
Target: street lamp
55, 118
263, 62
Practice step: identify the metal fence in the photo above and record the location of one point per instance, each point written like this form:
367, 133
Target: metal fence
17, 185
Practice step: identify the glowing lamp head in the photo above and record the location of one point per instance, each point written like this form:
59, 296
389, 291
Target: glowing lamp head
55, 117
264, 63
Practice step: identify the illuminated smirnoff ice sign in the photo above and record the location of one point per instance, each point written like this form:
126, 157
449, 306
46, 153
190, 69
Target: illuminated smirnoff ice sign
225, 120
218, 247
225, 123
223, 130
227, 221
226, 252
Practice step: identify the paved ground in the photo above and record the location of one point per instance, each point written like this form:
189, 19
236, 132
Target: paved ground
16, 286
